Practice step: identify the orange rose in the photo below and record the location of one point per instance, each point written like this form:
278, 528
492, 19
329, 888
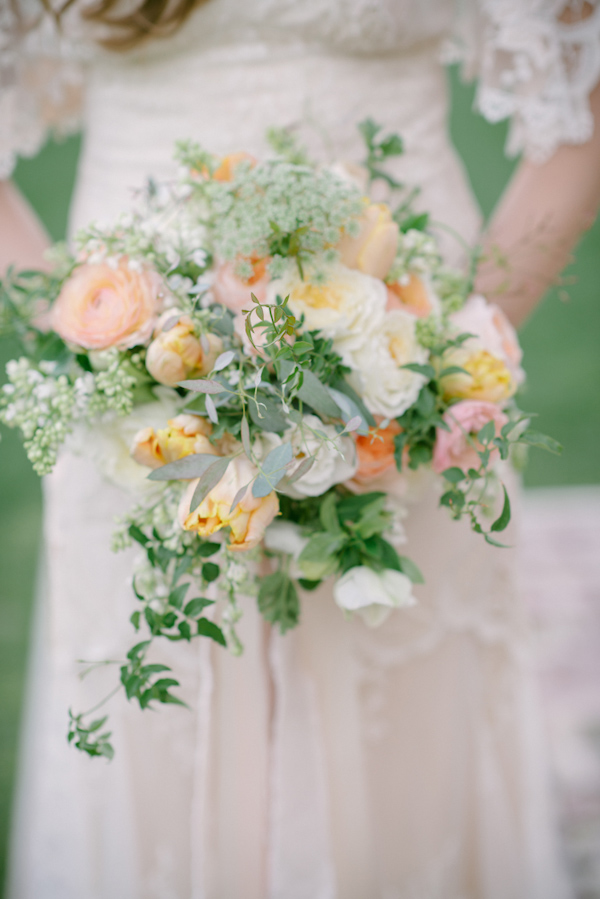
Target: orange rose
184, 435
177, 354
101, 307
233, 292
247, 522
373, 250
376, 451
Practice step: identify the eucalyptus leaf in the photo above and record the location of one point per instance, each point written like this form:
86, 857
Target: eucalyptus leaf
317, 396
239, 497
224, 360
203, 385
304, 467
187, 468
411, 570
268, 415
542, 441
209, 479
212, 410
273, 469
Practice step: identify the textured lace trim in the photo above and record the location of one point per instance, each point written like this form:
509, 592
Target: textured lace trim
41, 87
533, 68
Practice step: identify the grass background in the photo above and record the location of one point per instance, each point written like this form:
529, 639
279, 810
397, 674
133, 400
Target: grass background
561, 343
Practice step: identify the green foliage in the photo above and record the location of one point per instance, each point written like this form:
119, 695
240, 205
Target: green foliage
379, 149
90, 738
278, 600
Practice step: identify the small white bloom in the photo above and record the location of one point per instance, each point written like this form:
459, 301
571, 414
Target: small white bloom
373, 594
386, 387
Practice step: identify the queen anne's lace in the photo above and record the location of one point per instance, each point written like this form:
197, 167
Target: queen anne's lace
536, 66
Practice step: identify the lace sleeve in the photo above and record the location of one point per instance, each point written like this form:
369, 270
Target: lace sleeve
537, 62
40, 84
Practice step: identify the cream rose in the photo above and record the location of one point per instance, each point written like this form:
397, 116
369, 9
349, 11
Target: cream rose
373, 594
247, 522
493, 333
374, 248
388, 389
100, 307
184, 435
177, 353
334, 454
346, 307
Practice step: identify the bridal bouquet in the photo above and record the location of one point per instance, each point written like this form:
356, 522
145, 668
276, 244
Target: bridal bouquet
266, 357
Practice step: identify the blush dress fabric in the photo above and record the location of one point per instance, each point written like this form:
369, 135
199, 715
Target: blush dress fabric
337, 762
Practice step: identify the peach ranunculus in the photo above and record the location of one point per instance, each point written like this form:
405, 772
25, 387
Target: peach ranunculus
177, 353
233, 292
184, 435
248, 520
485, 377
376, 451
413, 294
374, 248
459, 446
493, 332
101, 307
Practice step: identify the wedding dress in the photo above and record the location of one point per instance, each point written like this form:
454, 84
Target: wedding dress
338, 761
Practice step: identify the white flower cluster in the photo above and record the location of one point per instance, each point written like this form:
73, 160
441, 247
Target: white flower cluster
417, 253
42, 407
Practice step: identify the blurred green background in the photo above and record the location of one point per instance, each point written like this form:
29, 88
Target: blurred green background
561, 343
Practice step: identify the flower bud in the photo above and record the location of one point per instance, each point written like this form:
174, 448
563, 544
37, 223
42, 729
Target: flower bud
177, 353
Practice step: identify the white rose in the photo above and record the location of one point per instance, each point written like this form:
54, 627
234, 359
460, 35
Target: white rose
386, 388
346, 307
493, 332
373, 594
335, 458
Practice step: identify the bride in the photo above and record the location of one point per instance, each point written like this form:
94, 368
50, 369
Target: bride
400, 763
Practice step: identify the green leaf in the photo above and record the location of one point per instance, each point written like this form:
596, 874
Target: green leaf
193, 608
428, 371
343, 387
208, 549
223, 361
425, 404
135, 620
350, 508
411, 570
138, 535
278, 601
210, 572
316, 395
137, 650
177, 595
187, 468
454, 475
542, 441
185, 630
487, 433
209, 479
503, 519
453, 370
211, 630
317, 560
328, 514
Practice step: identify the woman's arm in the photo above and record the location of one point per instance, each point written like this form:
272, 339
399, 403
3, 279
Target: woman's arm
537, 223
22, 237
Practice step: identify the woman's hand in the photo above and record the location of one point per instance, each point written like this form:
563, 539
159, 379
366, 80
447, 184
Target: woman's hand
22, 236
540, 217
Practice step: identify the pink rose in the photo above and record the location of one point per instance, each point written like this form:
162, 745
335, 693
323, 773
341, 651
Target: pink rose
493, 332
452, 448
101, 307
231, 291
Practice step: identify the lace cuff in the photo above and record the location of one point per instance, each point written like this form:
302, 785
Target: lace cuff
533, 67
40, 87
